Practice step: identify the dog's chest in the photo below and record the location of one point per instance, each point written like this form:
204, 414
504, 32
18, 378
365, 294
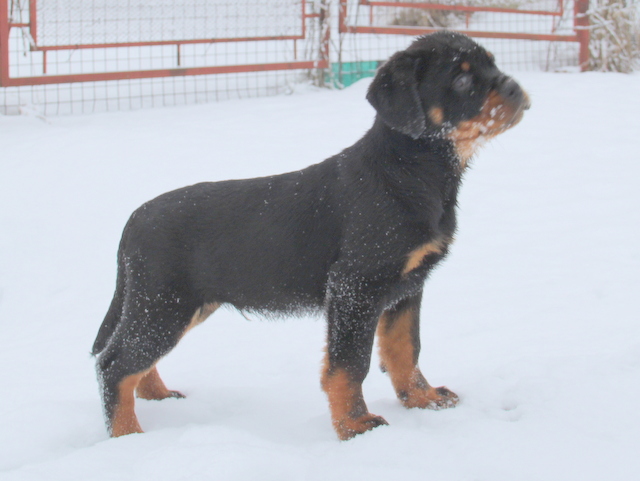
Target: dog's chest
429, 244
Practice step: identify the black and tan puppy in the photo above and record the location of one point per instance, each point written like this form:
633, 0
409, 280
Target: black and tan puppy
354, 236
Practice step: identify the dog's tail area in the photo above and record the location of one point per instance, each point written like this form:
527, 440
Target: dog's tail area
114, 314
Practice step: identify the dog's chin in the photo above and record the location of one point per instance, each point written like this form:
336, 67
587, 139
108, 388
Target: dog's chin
516, 114
512, 120
470, 135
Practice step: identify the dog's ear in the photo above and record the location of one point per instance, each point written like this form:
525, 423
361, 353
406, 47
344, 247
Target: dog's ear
394, 95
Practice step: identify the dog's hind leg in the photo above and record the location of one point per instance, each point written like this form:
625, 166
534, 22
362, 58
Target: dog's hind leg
148, 331
352, 323
399, 341
151, 385
112, 318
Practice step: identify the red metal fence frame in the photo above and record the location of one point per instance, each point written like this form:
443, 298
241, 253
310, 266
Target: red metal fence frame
4, 43
580, 35
7, 81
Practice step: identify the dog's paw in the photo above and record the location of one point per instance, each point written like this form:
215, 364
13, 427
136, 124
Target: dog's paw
435, 398
176, 394
348, 428
159, 395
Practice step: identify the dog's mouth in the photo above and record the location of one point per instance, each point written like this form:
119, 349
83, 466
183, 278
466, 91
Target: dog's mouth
498, 114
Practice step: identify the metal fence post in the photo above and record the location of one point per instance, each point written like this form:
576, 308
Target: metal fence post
4, 42
581, 24
324, 21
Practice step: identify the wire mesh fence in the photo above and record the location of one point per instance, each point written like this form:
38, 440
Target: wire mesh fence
373, 30
125, 54
68, 56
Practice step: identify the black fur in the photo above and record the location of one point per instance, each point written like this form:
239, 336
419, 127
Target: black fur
335, 236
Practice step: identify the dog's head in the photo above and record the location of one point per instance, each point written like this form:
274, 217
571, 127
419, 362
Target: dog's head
445, 84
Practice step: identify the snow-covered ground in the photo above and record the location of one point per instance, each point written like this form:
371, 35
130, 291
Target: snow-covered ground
533, 319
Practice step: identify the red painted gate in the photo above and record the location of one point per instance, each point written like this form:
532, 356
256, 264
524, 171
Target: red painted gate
92, 32
374, 10
87, 55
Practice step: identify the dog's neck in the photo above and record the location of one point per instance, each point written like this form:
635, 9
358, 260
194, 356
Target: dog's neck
428, 153
413, 167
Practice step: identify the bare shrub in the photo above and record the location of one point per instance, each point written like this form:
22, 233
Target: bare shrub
615, 35
416, 17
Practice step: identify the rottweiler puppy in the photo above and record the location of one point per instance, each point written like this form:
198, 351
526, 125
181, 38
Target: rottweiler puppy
354, 236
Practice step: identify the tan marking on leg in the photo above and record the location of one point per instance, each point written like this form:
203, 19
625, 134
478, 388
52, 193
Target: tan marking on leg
124, 419
349, 413
416, 257
436, 114
397, 354
465, 66
396, 349
152, 387
201, 315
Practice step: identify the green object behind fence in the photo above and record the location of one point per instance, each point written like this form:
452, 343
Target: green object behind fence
347, 73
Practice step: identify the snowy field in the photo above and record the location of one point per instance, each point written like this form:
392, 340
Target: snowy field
533, 319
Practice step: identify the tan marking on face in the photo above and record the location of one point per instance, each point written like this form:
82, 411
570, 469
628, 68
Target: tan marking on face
124, 419
495, 117
436, 114
491, 56
416, 257
465, 66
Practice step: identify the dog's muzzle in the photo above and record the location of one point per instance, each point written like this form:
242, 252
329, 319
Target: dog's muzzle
514, 96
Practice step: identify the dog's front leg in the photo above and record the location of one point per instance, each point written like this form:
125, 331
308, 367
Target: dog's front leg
352, 320
399, 340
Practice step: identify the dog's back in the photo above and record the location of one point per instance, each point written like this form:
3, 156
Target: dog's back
266, 244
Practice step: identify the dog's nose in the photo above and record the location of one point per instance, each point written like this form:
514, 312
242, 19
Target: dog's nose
512, 93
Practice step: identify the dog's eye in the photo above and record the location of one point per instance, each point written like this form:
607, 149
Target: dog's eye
462, 83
